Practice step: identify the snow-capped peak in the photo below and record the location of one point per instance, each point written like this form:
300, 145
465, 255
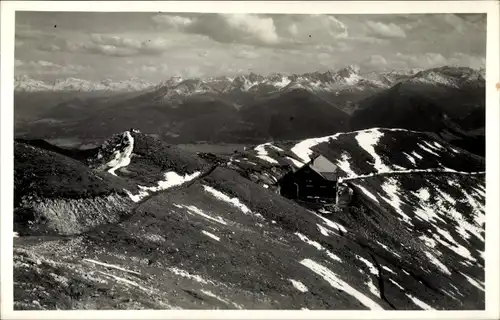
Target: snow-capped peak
116, 152
27, 84
454, 77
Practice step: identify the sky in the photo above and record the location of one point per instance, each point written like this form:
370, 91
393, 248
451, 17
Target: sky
157, 46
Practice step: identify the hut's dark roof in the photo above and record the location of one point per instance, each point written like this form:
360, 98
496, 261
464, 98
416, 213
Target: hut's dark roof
330, 176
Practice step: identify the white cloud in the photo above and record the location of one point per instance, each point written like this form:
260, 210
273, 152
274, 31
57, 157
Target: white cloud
175, 22
247, 54
148, 68
432, 60
309, 29
389, 30
109, 45
377, 60
43, 67
461, 59
226, 28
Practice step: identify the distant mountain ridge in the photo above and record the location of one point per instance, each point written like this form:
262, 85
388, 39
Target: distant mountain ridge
27, 84
348, 78
448, 101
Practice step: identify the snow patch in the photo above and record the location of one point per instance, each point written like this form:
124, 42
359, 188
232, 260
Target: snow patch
416, 155
388, 269
437, 263
345, 165
210, 235
419, 303
195, 210
367, 140
172, 179
424, 194
428, 241
370, 265
296, 163
299, 285
410, 158
330, 223
367, 193
338, 283
444, 207
318, 246
391, 188
110, 266
373, 289
223, 197
187, 275
438, 146
213, 295
427, 149
126, 281
474, 282
387, 249
396, 284
324, 231
268, 159
136, 197
262, 153
123, 157
303, 148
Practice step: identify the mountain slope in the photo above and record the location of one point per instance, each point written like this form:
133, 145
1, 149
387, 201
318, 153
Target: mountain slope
447, 101
290, 115
196, 234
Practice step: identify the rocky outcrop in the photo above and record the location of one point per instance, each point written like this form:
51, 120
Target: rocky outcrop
68, 216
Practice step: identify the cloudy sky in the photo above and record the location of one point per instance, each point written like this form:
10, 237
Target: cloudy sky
156, 46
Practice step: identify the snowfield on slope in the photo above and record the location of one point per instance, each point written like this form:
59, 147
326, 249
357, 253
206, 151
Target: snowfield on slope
381, 145
122, 158
448, 208
172, 179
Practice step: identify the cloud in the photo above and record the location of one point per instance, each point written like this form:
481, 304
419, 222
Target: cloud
225, 28
208, 44
389, 30
118, 46
376, 60
247, 54
110, 45
44, 67
261, 30
433, 60
149, 68
50, 47
461, 59
310, 29
175, 22
25, 33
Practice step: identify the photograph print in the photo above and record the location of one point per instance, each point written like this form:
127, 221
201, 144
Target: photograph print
249, 161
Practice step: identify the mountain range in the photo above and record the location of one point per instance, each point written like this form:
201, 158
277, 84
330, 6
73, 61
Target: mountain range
113, 210
26, 84
329, 81
449, 101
